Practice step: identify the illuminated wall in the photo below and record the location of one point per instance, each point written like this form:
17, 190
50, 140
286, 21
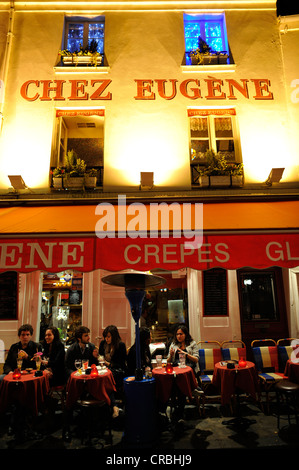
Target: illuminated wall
146, 126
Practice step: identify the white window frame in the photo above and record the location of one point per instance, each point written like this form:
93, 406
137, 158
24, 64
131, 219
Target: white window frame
86, 22
211, 114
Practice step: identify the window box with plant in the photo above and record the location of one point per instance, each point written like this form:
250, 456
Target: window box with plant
88, 55
218, 172
75, 170
204, 55
57, 177
90, 178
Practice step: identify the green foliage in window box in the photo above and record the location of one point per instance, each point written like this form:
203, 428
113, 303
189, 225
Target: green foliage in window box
89, 53
204, 55
217, 164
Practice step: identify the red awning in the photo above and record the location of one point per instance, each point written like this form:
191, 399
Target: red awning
235, 235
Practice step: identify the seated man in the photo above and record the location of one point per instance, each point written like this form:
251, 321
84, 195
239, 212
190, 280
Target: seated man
81, 349
24, 349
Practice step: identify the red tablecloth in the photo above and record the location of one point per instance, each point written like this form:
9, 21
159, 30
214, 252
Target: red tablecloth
29, 391
292, 371
183, 377
99, 387
228, 380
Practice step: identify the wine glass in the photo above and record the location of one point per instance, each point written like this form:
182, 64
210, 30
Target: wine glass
19, 363
78, 364
101, 361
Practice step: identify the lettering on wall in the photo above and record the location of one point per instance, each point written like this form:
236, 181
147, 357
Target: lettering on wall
209, 88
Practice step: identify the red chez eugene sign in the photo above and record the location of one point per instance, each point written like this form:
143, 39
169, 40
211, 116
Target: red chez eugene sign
210, 88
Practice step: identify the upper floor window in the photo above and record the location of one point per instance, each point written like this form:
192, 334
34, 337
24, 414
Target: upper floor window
207, 31
213, 130
80, 131
80, 33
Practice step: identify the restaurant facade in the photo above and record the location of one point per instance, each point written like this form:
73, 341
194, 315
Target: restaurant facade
112, 90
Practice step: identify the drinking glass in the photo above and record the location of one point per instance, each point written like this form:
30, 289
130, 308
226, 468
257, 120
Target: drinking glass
182, 360
19, 363
159, 361
78, 364
102, 361
38, 363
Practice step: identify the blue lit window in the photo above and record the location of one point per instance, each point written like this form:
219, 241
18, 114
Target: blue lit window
210, 28
80, 33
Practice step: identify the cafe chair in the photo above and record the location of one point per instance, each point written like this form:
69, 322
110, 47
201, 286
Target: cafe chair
266, 362
208, 357
94, 413
231, 352
287, 392
284, 349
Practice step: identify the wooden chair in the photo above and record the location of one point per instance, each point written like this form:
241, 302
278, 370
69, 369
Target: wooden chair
285, 349
233, 353
266, 362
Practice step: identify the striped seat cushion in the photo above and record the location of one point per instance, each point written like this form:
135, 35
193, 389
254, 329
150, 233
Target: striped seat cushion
208, 358
271, 376
265, 357
285, 353
233, 354
206, 379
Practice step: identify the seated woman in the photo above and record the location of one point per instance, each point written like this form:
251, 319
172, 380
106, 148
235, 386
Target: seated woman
115, 357
53, 356
183, 343
145, 339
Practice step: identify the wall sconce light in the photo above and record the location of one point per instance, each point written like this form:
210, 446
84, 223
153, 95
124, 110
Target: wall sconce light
275, 176
146, 180
17, 182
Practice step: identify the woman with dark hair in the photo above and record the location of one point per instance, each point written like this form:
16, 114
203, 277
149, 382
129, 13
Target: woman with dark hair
53, 356
145, 339
115, 358
183, 343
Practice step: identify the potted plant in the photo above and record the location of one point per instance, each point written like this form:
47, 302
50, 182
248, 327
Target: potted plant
236, 171
85, 56
57, 177
217, 168
90, 178
75, 170
204, 55
203, 178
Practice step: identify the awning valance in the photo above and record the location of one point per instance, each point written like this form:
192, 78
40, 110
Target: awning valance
235, 235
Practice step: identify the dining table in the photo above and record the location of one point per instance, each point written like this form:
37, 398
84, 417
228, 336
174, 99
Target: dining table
182, 377
27, 391
232, 380
292, 371
100, 387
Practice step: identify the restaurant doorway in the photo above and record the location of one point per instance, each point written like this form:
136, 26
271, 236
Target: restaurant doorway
166, 306
61, 303
262, 305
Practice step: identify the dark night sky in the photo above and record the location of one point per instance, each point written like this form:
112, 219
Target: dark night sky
287, 7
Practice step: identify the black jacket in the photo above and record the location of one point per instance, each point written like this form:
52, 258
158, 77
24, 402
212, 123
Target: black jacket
119, 357
74, 352
56, 361
11, 360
